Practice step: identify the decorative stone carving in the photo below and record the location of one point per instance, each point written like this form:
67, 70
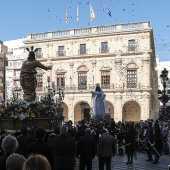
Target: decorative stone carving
132, 65
71, 64
105, 67
118, 60
60, 70
82, 68
93, 62
82, 61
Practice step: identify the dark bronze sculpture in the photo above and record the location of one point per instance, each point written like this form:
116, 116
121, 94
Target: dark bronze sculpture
28, 79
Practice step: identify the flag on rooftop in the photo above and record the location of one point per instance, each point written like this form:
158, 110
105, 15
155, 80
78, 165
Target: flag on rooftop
105, 8
66, 16
92, 14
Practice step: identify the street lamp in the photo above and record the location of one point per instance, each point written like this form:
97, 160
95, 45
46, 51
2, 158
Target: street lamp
16, 92
53, 90
164, 94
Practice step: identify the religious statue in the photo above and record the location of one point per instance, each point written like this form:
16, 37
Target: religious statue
98, 102
28, 73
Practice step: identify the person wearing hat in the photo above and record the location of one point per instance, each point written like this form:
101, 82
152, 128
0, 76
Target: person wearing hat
28, 79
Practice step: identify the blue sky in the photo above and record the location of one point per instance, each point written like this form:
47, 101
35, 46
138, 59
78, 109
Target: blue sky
21, 17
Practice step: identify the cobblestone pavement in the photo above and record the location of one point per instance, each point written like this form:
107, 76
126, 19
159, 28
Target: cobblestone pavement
119, 163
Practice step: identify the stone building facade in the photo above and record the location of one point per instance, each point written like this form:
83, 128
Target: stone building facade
3, 64
121, 58
15, 55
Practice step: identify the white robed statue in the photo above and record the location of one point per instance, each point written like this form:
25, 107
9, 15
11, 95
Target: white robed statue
98, 101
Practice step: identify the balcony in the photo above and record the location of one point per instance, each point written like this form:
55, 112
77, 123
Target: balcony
90, 30
105, 86
132, 85
82, 52
61, 53
101, 51
82, 86
39, 55
131, 49
89, 87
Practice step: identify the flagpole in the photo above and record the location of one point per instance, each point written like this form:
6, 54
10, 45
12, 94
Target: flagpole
66, 14
77, 17
89, 14
101, 14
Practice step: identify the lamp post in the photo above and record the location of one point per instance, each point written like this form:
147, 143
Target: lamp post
52, 91
16, 92
164, 94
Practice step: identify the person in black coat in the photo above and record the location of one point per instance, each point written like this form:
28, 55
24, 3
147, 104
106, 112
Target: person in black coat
53, 136
149, 140
40, 146
157, 145
120, 137
130, 143
86, 148
64, 151
23, 140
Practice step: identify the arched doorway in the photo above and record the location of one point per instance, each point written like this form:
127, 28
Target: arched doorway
81, 111
131, 111
110, 109
65, 111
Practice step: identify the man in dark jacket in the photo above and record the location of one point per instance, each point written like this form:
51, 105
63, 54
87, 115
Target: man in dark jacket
157, 145
106, 149
40, 146
86, 148
64, 151
149, 140
23, 140
53, 136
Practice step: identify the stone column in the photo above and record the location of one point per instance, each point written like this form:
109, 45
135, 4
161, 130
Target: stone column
145, 107
71, 64
71, 109
118, 108
93, 62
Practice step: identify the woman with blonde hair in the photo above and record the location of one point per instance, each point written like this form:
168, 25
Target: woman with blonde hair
36, 162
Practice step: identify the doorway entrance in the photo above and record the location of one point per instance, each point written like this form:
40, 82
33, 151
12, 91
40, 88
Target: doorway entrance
87, 114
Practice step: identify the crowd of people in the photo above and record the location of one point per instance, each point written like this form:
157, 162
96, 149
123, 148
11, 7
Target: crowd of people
36, 149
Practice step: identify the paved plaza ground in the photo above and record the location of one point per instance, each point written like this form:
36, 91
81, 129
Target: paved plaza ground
119, 163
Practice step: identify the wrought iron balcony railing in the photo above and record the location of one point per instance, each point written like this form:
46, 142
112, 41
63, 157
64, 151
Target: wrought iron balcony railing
88, 87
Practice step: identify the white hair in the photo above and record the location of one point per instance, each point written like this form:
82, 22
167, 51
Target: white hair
9, 144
